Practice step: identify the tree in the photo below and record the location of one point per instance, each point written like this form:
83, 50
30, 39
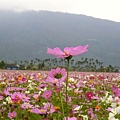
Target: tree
2, 64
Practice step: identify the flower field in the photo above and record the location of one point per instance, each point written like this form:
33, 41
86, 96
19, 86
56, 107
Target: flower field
59, 94
41, 95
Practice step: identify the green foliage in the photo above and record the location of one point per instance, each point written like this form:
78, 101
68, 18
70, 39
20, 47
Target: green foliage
2, 64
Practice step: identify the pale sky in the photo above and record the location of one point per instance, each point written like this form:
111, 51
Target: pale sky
104, 9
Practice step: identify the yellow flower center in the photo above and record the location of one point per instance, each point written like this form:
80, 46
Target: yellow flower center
23, 97
65, 53
91, 82
56, 107
55, 81
12, 115
16, 97
42, 110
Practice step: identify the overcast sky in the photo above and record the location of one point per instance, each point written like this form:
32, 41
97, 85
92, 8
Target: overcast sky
105, 9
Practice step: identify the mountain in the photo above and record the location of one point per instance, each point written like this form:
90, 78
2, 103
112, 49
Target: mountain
27, 35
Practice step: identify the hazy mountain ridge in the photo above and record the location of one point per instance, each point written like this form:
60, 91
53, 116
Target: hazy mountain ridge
27, 35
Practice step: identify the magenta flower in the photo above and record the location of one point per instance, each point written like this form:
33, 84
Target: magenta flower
23, 80
89, 95
16, 97
68, 51
47, 94
12, 115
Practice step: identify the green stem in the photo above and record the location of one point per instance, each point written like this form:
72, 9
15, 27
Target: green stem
62, 104
67, 90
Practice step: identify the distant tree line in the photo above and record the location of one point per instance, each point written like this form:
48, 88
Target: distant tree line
82, 65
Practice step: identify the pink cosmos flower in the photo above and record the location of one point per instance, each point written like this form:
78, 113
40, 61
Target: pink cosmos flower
116, 91
47, 94
35, 96
38, 111
12, 115
90, 112
16, 97
24, 98
58, 73
79, 83
57, 76
49, 107
26, 105
68, 51
6, 92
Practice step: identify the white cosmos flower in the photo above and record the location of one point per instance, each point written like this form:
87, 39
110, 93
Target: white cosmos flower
114, 111
43, 89
103, 99
30, 87
8, 99
84, 82
109, 99
3, 83
27, 92
29, 81
4, 103
33, 83
39, 92
85, 117
111, 117
116, 102
78, 108
71, 79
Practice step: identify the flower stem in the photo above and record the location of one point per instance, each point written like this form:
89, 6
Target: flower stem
61, 101
67, 90
62, 104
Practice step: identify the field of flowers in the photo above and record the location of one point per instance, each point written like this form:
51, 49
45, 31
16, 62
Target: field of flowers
59, 94
40, 95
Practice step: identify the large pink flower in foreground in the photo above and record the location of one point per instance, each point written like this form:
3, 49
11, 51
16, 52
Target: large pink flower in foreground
68, 51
